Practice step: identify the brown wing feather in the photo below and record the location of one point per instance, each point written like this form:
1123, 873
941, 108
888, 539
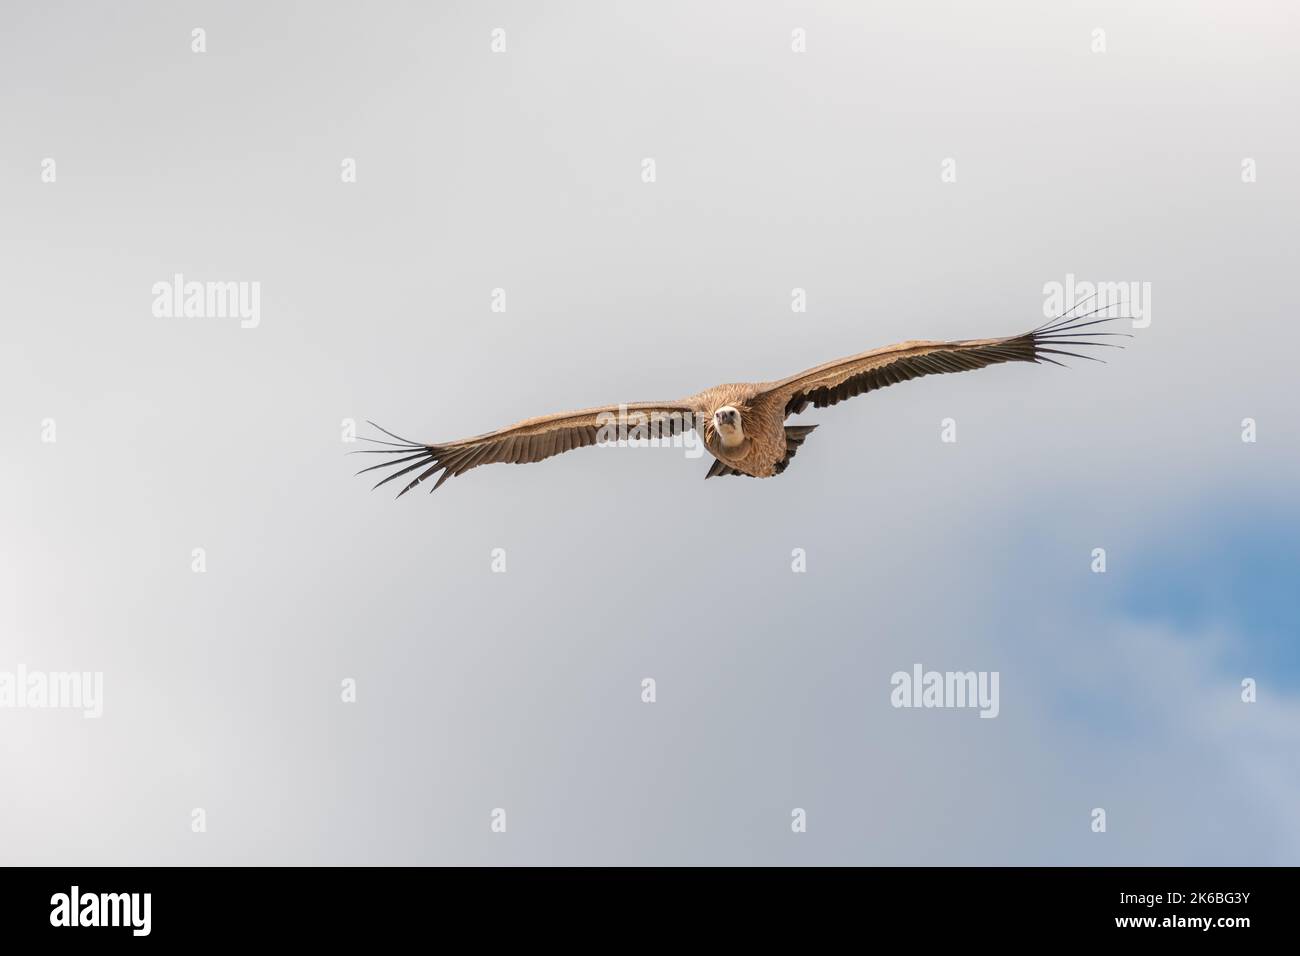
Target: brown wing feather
533, 439
845, 378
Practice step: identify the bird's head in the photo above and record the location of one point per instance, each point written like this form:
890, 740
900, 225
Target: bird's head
726, 422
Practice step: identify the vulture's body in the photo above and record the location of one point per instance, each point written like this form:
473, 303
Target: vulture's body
742, 425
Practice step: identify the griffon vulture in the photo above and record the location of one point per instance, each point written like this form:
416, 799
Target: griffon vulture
743, 425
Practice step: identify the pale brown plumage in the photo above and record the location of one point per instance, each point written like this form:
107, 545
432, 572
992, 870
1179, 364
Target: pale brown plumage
765, 444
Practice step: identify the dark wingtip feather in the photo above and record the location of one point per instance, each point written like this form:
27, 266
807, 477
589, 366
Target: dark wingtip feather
420, 454
390, 434
1091, 358
1064, 330
1050, 322
390, 464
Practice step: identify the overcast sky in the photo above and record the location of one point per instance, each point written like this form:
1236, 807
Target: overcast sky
918, 170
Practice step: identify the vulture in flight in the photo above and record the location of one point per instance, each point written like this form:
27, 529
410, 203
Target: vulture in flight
743, 425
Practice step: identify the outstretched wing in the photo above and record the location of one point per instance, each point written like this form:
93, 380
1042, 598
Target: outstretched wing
531, 440
844, 378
